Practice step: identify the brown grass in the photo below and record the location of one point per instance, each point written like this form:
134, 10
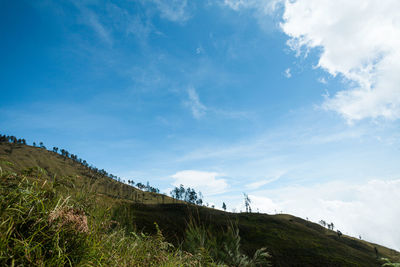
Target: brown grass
69, 217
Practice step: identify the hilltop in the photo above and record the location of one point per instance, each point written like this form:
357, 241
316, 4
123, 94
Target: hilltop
290, 240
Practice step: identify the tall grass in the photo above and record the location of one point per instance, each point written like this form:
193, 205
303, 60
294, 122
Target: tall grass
39, 226
221, 246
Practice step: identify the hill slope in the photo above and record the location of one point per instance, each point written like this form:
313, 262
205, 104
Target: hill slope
292, 241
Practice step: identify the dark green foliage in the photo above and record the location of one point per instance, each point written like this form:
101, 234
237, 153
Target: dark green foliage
26, 234
39, 226
188, 195
221, 245
389, 263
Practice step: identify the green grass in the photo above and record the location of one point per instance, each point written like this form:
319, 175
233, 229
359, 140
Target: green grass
290, 240
41, 227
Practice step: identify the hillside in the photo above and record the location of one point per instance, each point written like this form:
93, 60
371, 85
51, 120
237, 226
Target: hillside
292, 241
27, 158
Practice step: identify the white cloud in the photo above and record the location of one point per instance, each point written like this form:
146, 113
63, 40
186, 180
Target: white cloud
349, 206
197, 108
206, 182
322, 80
263, 10
91, 19
360, 40
173, 10
266, 7
199, 50
287, 73
258, 184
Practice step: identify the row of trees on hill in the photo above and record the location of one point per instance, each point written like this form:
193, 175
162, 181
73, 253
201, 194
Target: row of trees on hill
189, 195
67, 155
330, 226
143, 187
185, 194
11, 139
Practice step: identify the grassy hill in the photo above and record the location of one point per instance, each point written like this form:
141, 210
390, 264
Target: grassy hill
292, 241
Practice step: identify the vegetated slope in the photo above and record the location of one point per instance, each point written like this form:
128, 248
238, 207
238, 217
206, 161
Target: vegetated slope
27, 158
292, 241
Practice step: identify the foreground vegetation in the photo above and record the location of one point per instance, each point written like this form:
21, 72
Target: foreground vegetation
43, 226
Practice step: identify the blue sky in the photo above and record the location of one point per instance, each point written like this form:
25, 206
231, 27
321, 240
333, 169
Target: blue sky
278, 99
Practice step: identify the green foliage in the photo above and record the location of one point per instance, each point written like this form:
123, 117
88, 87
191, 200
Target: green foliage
4, 162
41, 227
388, 263
221, 246
27, 236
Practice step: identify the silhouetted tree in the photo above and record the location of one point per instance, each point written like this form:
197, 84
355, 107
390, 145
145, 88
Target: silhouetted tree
190, 195
181, 192
247, 202
175, 193
224, 206
339, 233
140, 186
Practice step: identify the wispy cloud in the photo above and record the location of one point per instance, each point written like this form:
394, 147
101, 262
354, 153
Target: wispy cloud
264, 11
267, 7
173, 10
322, 80
258, 184
287, 73
193, 102
92, 20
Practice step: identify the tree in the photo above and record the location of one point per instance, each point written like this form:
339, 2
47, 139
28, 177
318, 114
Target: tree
224, 206
199, 200
181, 192
322, 222
140, 186
42, 145
190, 195
339, 233
247, 202
175, 193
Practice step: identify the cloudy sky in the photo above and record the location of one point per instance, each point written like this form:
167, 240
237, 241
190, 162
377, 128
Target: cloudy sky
296, 103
